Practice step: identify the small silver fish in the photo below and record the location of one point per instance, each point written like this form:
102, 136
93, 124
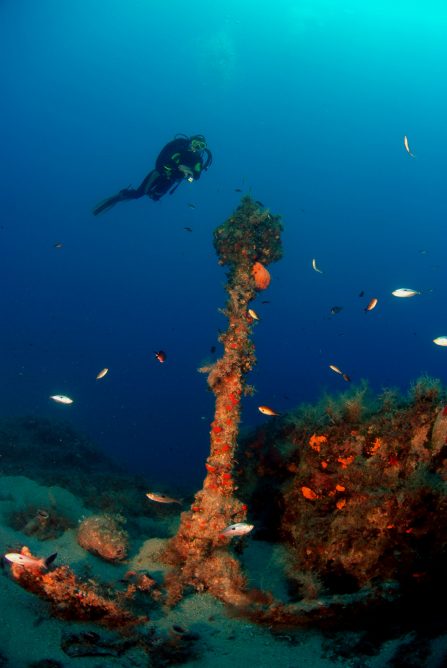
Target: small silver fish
238, 529
405, 292
314, 266
32, 563
162, 498
253, 314
440, 341
407, 146
61, 399
342, 374
102, 373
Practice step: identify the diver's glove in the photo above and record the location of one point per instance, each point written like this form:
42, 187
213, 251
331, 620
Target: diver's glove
187, 173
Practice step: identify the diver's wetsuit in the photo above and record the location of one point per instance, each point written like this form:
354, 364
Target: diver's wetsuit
167, 173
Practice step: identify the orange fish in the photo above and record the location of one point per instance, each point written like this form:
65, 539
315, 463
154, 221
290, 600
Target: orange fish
267, 411
372, 304
160, 356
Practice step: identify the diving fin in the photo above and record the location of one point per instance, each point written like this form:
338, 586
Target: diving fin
109, 202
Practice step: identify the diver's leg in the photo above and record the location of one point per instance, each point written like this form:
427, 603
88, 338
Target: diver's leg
165, 187
109, 202
155, 185
147, 184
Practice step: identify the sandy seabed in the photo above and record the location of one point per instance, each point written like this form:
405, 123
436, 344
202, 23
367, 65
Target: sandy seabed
29, 634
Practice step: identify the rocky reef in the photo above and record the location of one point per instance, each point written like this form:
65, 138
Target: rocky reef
357, 497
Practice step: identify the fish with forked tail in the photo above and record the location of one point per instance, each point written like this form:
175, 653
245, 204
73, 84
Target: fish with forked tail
29, 562
162, 498
238, 529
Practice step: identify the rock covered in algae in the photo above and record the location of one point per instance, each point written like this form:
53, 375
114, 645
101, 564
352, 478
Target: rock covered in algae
104, 536
357, 490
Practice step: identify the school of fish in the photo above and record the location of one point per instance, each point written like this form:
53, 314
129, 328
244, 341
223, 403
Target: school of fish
240, 528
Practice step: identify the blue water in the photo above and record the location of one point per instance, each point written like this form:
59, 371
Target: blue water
305, 105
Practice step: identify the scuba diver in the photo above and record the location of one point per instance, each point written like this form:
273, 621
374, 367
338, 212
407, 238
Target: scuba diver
182, 158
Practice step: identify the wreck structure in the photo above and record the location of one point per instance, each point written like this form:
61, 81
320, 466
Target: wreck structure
248, 241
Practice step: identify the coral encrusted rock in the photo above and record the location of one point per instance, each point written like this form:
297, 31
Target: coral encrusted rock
104, 536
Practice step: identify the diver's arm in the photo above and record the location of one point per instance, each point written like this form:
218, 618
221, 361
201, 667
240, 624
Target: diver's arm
168, 159
187, 172
197, 170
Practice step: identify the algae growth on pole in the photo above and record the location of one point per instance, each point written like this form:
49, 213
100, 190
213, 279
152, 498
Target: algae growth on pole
246, 243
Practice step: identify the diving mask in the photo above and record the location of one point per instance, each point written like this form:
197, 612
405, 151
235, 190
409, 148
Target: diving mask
197, 144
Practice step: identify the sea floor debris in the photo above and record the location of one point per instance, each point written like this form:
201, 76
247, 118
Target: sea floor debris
404, 436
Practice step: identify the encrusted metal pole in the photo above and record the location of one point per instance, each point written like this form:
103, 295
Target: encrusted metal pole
246, 242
